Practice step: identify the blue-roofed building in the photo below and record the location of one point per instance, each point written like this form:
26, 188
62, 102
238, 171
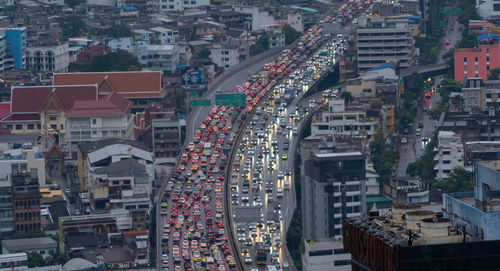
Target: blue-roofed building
13, 46
129, 11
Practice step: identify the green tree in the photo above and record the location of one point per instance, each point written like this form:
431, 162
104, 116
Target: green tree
35, 259
74, 26
494, 74
204, 53
73, 3
383, 159
346, 95
114, 61
260, 46
469, 12
119, 30
469, 40
424, 166
290, 34
459, 180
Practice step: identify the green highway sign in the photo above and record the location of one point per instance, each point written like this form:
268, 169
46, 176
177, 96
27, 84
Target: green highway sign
236, 99
200, 103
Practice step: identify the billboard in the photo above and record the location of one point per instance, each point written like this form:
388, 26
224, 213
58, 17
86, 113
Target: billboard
193, 79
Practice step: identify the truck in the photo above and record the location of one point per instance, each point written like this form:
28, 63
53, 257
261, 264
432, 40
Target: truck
260, 250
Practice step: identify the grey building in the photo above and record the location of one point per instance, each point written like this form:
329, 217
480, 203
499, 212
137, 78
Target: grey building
6, 206
42, 245
382, 39
333, 190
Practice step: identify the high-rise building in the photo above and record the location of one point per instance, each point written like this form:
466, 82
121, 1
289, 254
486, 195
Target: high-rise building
13, 45
385, 39
334, 189
27, 212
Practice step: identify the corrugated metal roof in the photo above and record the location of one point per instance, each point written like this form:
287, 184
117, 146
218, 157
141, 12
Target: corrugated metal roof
119, 149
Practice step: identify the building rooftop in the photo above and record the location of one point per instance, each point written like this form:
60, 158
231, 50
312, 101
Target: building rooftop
88, 147
29, 243
143, 84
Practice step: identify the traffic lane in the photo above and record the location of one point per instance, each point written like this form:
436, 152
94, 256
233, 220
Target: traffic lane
200, 113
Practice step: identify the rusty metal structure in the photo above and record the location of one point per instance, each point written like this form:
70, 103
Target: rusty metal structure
386, 244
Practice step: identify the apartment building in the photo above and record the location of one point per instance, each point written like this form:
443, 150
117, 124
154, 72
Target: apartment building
385, 39
122, 185
6, 206
47, 57
163, 58
276, 38
477, 62
26, 191
167, 137
13, 46
91, 120
325, 256
340, 120
333, 190
180, 5
449, 153
228, 53
474, 94
23, 160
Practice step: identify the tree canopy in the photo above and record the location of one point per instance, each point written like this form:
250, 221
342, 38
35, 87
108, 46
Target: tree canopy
74, 26
73, 3
114, 61
346, 95
290, 33
204, 53
424, 166
119, 31
459, 180
494, 74
382, 158
260, 46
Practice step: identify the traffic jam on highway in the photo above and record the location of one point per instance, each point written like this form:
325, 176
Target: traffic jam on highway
192, 204
262, 171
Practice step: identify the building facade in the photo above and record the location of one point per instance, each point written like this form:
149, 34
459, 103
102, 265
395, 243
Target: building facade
333, 190
167, 138
27, 212
275, 38
15, 43
449, 154
339, 120
477, 62
474, 94
48, 58
180, 5
385, 40
163, 58
108, 117
6, 206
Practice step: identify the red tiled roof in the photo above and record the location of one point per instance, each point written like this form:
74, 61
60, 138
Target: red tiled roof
21, 117
4, 109
139, 84
31, 99
111, 105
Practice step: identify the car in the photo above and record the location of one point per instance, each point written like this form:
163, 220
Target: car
248, 259
284, 156
404, 140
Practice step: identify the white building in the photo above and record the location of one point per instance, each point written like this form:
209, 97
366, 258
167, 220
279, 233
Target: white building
108, 117
261, 19
372, 183
181, 5
225, 56
275, 38
108, 3
158, 57
325, 256
344, 121
48, 58
295, 21
488, 8
52, 1
166, 35
121, 44
449, 154
23, 159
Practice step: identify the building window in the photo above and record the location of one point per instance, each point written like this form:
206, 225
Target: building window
39, 126
62, 126
446, 161
465, 60
342, 262
53, 118
19, 126
496, 7
94, 132
31, 126
367, 90
323, 127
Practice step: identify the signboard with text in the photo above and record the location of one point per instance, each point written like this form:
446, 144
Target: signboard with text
231, 99
193, 79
